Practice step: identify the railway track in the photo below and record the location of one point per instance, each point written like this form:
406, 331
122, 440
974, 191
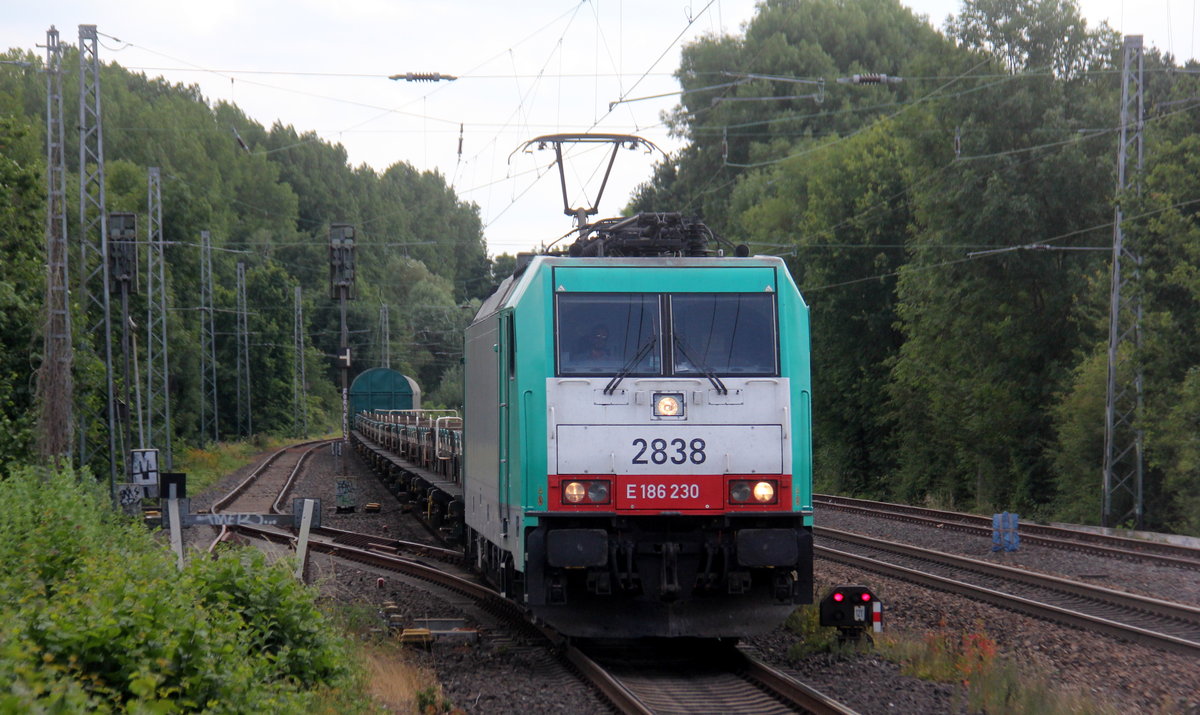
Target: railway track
266, 488
732, 682
1106, 545
1150, 621
697, 678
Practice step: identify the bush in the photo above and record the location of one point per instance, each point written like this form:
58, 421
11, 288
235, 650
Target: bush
96, 617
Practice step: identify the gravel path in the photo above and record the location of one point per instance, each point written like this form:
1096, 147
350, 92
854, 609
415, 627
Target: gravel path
503, 674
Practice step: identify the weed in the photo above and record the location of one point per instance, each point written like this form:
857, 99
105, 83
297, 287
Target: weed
988, 683
431, 702
805, 622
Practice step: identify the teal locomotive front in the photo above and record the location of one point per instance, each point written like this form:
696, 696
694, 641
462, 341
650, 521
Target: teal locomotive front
638, 444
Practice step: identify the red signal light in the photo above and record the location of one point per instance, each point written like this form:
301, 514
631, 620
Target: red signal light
852, 610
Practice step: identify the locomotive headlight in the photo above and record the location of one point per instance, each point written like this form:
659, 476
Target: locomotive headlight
574, 492
668, 405
739, 492
747, 491
586, 491
764, 492
597, 492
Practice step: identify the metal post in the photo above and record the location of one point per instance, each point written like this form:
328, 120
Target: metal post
158, 398
341, 282
208, 350
1123, 463
306, 519
344, 362
245, 427
299, 379
385, 336
93, 217
55, 386
176, 525
123, 270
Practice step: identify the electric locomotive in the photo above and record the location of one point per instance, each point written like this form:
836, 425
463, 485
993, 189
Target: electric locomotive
638, 454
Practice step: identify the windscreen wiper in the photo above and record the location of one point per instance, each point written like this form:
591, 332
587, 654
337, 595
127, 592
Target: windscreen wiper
708, 371
611, 387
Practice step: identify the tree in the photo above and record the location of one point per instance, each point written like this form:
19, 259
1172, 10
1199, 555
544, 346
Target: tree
22, 284
989, 343
843, 211
268, 198
1033, 35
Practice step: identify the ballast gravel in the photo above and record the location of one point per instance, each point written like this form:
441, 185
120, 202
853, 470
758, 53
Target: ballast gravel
505, 672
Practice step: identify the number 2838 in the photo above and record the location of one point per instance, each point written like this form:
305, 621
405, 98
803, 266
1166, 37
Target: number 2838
660, 451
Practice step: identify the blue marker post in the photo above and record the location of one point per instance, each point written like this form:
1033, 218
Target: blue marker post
1005, 535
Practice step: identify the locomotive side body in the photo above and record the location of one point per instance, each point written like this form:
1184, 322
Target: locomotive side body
660, 483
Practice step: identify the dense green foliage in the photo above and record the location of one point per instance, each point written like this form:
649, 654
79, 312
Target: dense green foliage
269, 204
952, 365
943, 375
80, 634
21, 281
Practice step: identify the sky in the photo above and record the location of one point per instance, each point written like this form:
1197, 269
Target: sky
524, 70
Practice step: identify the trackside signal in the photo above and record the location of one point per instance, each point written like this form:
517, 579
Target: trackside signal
852, 610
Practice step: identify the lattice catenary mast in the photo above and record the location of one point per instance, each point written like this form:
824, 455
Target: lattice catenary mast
1123, 464
93, 266
55, 386
158, 402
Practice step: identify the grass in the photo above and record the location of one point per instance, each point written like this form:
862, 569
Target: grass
987, 682
400, 685
395, 683
206, 466
387, 673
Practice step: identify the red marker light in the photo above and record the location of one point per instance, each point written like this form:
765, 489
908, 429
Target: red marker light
839, 597
866, 597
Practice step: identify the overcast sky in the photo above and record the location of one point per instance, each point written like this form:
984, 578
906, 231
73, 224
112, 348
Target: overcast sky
525, 69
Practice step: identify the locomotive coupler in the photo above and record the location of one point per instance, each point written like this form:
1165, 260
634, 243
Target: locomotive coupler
558, 590
782, 581
623, 568
707, 577
599, 583
670, 571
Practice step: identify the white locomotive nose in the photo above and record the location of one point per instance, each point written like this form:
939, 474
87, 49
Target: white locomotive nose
637, 441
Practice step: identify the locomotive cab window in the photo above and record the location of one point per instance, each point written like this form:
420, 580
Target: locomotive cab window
724, 334
730, 334
607, 333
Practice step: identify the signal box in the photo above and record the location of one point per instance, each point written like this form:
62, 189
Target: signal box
852, 610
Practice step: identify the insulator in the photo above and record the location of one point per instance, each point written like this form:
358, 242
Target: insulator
428, 77
873, 78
